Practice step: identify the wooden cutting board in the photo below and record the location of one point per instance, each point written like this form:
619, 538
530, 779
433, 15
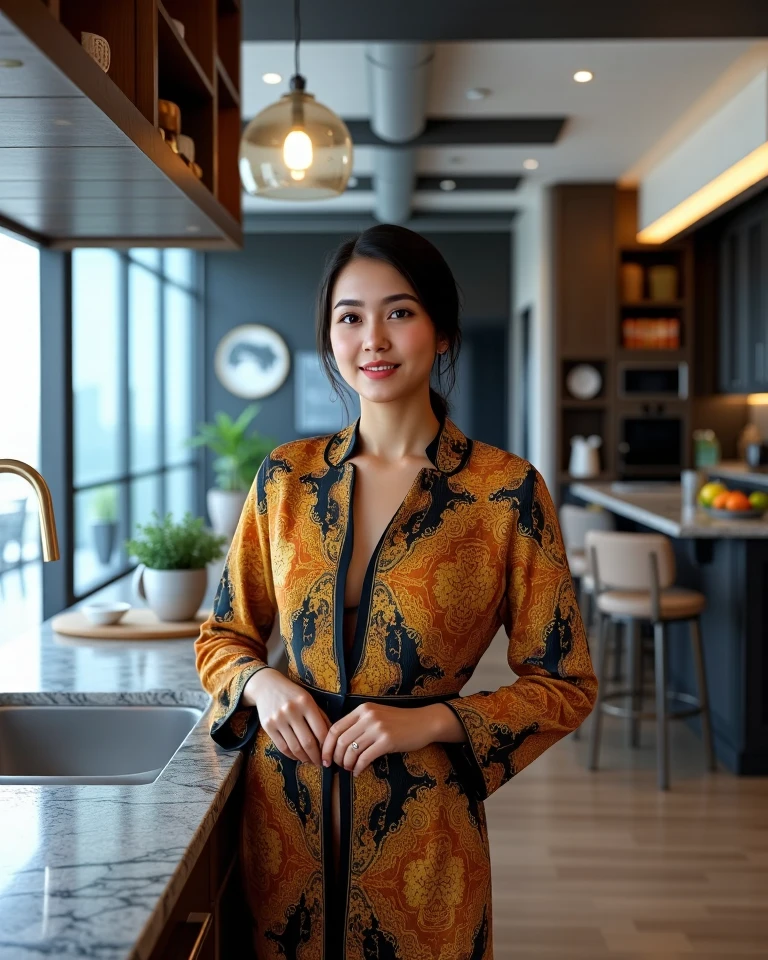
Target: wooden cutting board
140, 623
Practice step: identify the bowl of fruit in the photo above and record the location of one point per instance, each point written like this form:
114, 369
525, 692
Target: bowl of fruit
718, 501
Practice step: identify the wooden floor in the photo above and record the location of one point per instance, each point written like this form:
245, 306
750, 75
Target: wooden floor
591, 865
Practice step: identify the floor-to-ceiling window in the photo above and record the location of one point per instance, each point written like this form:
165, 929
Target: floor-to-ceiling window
20, 563
136, 321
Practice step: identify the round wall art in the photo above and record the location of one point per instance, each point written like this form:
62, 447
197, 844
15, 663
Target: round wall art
252, 361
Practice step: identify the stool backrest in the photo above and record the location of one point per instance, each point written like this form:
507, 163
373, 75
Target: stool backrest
575, 522
624, 560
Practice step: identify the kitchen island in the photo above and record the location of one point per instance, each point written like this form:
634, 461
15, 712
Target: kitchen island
727, 560
96, 871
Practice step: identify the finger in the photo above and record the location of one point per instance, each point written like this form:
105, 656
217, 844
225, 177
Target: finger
367, 757
307, 739
318, 724
331, 737
293, 744
357, 733
279, 742
351, 755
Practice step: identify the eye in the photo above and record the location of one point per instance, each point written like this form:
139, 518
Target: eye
342, 319
402, 310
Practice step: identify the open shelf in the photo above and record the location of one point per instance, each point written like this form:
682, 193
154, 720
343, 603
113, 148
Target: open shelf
652, 304
181, 78
228, 93
106, 177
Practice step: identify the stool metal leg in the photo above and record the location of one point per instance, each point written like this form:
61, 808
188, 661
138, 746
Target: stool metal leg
634, 657
617, 656
701, 679
586, 610
662, 744
603, 646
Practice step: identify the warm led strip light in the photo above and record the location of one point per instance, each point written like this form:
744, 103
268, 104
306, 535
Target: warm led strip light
729, 184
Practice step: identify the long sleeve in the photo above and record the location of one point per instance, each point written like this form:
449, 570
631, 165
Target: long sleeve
556, 686
232, 645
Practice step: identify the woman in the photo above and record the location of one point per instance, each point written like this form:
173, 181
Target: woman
392, 552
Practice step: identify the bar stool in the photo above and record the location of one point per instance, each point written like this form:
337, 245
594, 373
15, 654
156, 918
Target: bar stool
575, 523
634, 576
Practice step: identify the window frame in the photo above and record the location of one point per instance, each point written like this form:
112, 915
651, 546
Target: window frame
58, 409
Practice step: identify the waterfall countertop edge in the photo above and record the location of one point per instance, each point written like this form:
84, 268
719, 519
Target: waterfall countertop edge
95, 871
663, 510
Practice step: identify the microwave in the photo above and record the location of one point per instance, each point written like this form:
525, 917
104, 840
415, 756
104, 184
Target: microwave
651, 445
656, 379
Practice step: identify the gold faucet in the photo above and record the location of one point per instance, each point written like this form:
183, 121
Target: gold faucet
47, 519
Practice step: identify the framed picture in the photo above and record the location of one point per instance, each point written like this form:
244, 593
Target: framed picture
318, 409
252, 361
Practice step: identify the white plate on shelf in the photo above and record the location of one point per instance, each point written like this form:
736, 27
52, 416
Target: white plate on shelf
583, 381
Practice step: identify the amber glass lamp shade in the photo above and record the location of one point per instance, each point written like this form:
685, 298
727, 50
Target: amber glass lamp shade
296, 149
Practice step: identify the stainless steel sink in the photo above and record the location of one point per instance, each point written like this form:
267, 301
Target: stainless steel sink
89, 744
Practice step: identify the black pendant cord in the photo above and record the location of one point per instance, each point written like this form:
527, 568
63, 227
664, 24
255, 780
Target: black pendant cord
296, 35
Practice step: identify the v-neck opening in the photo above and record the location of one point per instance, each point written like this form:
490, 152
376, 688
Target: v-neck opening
351, 660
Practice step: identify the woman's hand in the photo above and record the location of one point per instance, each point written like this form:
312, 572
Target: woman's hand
380, 729
288, 713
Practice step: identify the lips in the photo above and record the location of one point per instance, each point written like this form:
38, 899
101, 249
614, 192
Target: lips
372, 365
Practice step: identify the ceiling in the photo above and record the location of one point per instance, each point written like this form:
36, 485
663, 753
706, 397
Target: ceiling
497, 20
644, 95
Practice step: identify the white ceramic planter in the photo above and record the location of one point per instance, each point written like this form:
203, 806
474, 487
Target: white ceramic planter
224, 509
171, 594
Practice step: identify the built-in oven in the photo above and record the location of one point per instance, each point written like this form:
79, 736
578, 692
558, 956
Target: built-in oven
655, 379
651, 442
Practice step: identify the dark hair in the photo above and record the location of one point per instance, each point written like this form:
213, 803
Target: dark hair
425, 269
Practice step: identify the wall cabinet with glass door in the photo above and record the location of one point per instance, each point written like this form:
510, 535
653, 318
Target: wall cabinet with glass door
743, 304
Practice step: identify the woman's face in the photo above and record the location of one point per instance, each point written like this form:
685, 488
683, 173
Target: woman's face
377, 317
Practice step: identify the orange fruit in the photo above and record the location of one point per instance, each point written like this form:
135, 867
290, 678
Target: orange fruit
719, 502
738, 501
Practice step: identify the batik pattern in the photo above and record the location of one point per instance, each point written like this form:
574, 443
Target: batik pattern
474, 546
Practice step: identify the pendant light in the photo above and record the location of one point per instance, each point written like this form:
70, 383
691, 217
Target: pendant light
296, 149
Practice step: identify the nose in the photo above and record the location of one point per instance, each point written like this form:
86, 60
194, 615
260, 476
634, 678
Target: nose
375, 338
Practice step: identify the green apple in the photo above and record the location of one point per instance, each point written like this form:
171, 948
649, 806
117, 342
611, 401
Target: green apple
759, 500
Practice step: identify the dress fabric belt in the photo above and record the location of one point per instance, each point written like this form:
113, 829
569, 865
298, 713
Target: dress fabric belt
336, 885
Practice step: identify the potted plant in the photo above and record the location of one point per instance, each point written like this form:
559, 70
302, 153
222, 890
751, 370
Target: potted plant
238, 456
103, 509
172, 575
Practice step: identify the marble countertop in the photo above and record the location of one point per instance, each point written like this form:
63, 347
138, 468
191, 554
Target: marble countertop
94, 871
741, 471
662, 510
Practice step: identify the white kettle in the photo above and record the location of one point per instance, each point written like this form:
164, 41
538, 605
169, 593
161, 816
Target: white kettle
585, 459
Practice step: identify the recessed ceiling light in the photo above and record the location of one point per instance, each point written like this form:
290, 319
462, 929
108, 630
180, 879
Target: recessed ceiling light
10, 62
583, 76
272, 78
447, 184
193, 228
477, 93
352, 182
62, 123
531, 164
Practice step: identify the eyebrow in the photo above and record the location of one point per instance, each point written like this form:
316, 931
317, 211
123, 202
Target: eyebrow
389, 299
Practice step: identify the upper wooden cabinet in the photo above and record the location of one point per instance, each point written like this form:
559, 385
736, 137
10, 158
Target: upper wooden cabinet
584, 268
82, 160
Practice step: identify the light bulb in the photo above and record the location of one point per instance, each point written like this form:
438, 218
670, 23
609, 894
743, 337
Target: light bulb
297, 150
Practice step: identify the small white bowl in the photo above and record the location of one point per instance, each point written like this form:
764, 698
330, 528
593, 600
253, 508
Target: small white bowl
105, 613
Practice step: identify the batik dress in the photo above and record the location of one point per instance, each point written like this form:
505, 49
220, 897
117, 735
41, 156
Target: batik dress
474, 545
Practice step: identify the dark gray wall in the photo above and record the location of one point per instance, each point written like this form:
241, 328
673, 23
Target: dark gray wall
274, 281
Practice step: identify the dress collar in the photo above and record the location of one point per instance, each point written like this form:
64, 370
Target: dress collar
448, 450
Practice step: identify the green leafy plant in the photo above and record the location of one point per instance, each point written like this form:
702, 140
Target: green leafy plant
104, 505
165, 545
238, 454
